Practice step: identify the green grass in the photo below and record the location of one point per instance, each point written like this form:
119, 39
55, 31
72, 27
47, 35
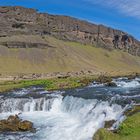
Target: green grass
128, 130
48, 84
58, 83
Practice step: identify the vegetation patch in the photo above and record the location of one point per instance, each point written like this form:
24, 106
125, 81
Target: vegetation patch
48, 84
128, 130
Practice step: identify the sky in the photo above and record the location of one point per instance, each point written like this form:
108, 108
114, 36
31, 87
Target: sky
119, 14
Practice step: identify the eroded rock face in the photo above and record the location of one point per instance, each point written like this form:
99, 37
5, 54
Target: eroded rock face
14, 124
19, 20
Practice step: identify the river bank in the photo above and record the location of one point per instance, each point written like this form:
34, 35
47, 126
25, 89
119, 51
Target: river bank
57, 81
48, 84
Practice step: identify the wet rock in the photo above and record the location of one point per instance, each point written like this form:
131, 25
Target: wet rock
109, 124
13, 119
25, 125
111, 84
15, 124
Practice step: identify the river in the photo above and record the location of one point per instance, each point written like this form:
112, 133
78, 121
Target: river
74, 114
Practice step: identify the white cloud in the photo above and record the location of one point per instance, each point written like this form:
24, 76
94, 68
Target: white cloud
128, 7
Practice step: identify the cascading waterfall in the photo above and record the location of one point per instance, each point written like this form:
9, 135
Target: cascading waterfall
70, 115
76, 115
58, 118
24, 105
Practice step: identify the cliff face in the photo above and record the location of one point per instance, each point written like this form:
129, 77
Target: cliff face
23, 21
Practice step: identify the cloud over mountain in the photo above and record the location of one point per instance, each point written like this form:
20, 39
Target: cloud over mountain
128, 7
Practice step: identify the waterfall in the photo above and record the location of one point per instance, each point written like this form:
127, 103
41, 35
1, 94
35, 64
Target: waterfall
64, 118
25, 105
69, 117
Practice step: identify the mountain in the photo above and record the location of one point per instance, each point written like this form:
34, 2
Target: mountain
33, 42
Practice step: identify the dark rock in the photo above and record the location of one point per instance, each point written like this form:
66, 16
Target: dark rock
16, 44
111, 84
109, 124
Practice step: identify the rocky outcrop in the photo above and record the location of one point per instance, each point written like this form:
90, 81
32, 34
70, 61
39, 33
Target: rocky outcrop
18, 20
16, 44
15, 124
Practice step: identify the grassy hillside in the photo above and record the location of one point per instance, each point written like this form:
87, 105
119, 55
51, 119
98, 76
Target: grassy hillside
62, 56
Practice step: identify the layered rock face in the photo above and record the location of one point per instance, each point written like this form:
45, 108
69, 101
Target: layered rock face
23, 21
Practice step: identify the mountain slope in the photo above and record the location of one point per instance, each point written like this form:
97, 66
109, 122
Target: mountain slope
32, 42
62, 56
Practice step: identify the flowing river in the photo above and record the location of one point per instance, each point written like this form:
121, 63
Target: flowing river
74, 114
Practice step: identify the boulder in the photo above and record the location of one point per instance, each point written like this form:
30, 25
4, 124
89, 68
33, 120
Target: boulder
25, 125
109, 124
15, 124
111, 84
13, 119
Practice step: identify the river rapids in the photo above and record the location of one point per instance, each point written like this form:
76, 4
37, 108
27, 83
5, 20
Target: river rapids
74, 114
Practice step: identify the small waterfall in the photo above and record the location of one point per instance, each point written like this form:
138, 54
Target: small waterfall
25, 104
58, 117
79, 118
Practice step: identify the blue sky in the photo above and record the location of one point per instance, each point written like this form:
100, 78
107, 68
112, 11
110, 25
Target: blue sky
119, 14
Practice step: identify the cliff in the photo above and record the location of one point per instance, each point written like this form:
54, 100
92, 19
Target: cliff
32, 42
24, 21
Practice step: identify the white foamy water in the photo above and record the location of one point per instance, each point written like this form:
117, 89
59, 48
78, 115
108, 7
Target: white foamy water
126, 83
70, 118
95, 84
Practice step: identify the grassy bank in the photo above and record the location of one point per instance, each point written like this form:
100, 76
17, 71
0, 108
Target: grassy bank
49, 84
128, 130
60, 83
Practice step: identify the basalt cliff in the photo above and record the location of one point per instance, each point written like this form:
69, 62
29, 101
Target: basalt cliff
23, 21
39, 42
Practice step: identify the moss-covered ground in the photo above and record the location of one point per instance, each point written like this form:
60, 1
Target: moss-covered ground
128, 130
48, 84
